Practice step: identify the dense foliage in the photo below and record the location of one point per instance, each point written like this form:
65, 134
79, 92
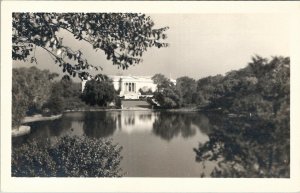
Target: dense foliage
255, 141
34, 91
187, 87
70, 93
99, 91
67, 157
166, 94
123, 37
31, 88
262, 87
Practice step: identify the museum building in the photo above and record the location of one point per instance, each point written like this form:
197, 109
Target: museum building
130, 86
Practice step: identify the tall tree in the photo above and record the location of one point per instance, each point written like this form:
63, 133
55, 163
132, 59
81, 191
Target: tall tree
123, 37
187, 87
99, 92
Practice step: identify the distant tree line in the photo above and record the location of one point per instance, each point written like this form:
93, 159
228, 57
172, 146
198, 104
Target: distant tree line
259, 88
262, 86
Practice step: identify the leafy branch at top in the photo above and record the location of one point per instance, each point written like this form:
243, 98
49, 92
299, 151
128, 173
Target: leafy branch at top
123, 37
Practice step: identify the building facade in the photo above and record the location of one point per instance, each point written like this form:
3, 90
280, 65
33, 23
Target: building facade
130, 86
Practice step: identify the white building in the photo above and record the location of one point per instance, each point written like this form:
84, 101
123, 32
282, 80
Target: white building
129, 86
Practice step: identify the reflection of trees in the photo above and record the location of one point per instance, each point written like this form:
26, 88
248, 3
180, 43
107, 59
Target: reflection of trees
129, 120
99, 124
44, 130
247, 148
169, 125
145, 117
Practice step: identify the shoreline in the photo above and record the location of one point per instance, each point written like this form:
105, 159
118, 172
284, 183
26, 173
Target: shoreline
21, 130
134, 109
24, 129
40, 117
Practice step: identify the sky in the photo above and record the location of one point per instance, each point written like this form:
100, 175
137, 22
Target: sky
200, 45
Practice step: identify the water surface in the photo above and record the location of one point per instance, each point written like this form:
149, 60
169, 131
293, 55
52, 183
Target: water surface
155, 144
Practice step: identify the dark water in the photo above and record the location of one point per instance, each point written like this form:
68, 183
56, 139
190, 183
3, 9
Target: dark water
177, 144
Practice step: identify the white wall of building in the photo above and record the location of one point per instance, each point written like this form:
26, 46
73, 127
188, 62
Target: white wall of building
129, 86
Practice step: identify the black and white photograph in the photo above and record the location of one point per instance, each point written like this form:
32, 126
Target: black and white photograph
141, 94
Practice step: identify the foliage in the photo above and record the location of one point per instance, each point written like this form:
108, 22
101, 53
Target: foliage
161, 82
206, 89
260, 87
123, 37
70, 92
257, 142
55, 103
99, 92
166, 94
187, 88
68, 157
30, 90
144, 91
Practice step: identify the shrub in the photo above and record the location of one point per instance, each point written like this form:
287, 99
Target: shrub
67, 157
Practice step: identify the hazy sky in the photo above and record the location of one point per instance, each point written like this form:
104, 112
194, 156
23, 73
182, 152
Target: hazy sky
200, 45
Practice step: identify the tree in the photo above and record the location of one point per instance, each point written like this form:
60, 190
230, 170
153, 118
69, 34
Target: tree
166, 94
123, 37
145, 91
187, 88
257, 145
55, 103
99, 92
30, 90
161, 81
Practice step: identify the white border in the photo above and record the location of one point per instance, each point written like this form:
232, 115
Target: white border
9, 184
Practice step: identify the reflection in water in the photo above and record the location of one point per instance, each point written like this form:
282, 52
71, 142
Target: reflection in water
99, 124
155, 144
246, 148
160, 144
136, 121
169, 125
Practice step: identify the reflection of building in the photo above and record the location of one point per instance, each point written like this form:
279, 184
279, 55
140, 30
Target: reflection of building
130, 86
135, 121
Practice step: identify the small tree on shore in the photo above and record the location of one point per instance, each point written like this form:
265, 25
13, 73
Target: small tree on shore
99, 92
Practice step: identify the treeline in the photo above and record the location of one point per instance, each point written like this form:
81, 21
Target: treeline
262, 88
259, 89
255, 140
36, 91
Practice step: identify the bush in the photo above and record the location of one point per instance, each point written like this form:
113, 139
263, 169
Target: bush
55, 105
99, 92
68, 157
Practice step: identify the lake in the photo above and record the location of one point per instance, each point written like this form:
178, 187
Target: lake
175, 144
